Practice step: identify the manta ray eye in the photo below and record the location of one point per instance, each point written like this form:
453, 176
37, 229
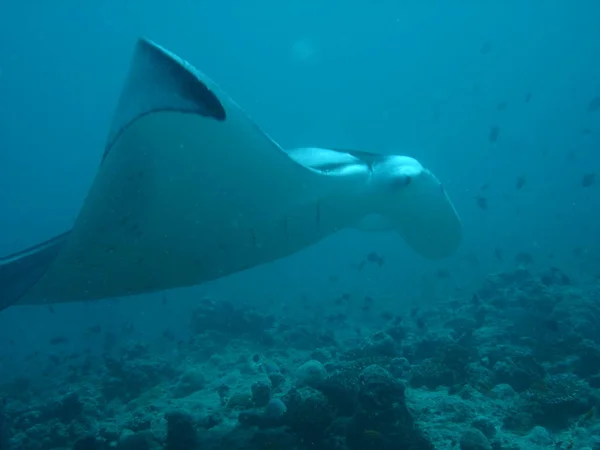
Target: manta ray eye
401, 181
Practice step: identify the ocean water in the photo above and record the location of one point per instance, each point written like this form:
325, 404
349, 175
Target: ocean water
355, 342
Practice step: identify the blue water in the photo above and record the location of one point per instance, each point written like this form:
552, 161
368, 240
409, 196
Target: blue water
424, 79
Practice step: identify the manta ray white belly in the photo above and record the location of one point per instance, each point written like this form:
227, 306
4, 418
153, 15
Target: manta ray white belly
191, 190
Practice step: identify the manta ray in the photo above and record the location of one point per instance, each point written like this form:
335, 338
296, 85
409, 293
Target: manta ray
190, 190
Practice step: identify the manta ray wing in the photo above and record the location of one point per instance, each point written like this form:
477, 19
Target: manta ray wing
189, 190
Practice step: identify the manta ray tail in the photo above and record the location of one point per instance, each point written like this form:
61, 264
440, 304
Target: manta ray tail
20, 271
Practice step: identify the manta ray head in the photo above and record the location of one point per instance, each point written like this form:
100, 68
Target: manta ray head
413, 202
395, 173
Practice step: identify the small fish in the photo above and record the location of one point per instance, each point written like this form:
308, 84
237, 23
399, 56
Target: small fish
32, 355
373, 257
594, 104
485, 387
442, 273
51, 309
521, 180
421, 324
168, 335
528, 97
386, 315
372, 434
472, 259
95, 329
586, 131
475, 299
498, 254
484, 187
494, 132
487, 47
552, 325
524, 258
590, 414
588, 180
482, 202
334, 318
501, 106
571, 156
127, 328
58, 340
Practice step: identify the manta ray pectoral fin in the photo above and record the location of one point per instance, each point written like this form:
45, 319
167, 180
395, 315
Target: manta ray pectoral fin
191, 190
20, 271
159, 80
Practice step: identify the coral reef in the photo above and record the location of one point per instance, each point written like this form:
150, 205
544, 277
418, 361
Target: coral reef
516, 366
